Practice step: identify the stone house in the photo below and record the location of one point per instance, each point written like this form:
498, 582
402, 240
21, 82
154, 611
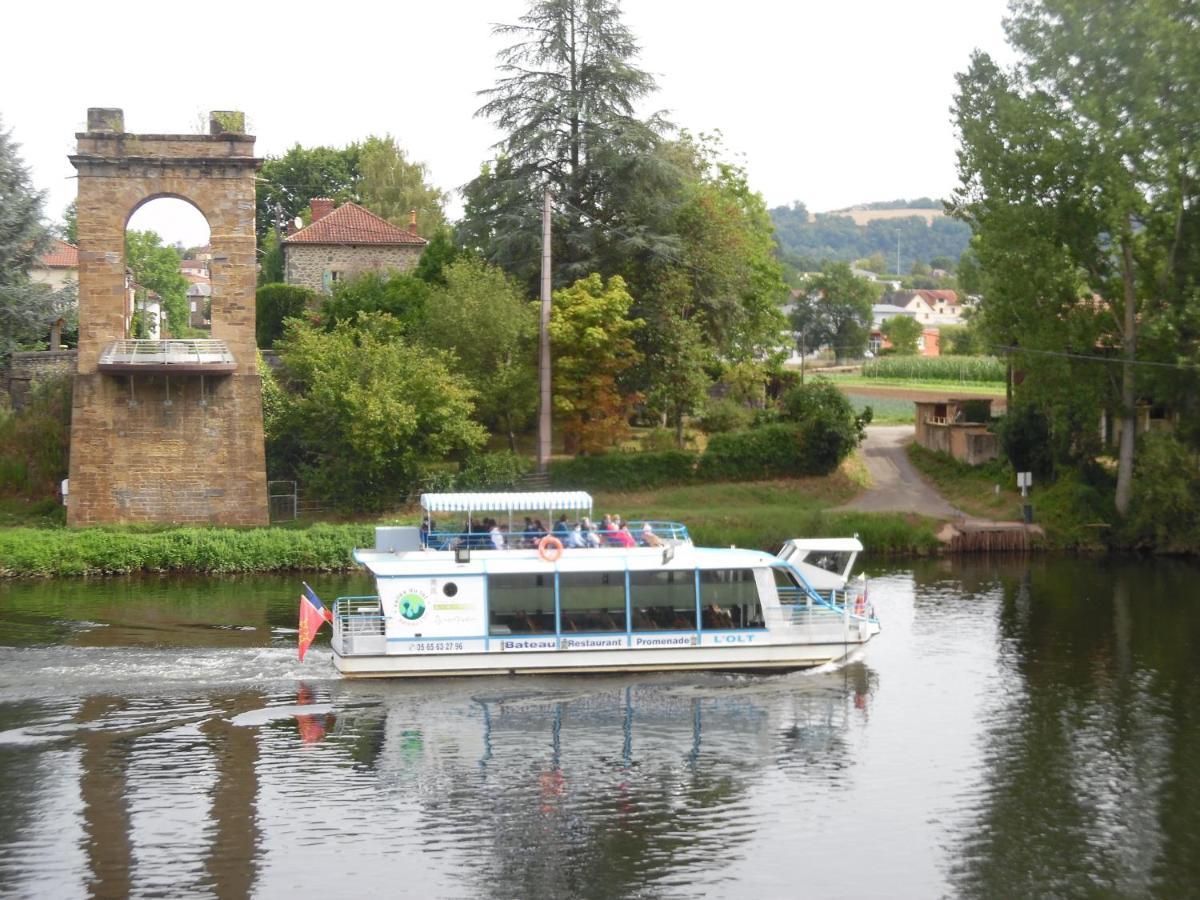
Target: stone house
345, 241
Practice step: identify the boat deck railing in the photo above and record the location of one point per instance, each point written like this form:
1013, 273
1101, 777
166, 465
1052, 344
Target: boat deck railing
358, 625
663, 533
800, 603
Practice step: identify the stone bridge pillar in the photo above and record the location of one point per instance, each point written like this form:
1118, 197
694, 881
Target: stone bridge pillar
162, 432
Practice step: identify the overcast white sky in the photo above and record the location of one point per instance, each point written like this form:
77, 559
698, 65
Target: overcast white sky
830, 103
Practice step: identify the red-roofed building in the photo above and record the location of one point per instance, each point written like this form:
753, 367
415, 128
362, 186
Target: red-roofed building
344, 241
57, 266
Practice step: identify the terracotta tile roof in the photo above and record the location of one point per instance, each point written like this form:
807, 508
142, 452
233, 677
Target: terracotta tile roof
61, 255
351, 224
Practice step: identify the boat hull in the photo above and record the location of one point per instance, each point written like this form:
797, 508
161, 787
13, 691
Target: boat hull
771, 657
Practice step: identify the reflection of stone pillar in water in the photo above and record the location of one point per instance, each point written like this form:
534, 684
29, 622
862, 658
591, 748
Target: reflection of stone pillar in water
232, 859
102, 783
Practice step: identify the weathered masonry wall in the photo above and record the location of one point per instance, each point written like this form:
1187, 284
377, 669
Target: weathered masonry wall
26, 369
306, 264
150, 447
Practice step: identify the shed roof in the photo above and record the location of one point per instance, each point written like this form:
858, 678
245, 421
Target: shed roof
351, 224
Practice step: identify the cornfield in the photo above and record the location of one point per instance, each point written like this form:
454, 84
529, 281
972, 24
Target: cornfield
972, 369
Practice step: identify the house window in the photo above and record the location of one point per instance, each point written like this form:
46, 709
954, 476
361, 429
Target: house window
331, 277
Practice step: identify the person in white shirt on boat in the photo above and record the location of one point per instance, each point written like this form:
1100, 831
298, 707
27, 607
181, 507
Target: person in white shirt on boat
575, 537
589, 532
649, 538
497, 537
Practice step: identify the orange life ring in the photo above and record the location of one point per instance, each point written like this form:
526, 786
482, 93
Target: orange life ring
544, 546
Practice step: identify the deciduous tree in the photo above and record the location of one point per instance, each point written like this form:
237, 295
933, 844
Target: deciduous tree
842, 307
1079, 176
391, 185
480, 315
156, 268
591, 337
366, 409
902, 333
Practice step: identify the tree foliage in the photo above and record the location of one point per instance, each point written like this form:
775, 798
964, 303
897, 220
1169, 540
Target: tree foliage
1078, 175
565, 100
366, 408
591, 338
26, 309
480, 315
274, 303
392, 186
375, 173
809, 241
902, 333
836, 310
156, 268
398, 294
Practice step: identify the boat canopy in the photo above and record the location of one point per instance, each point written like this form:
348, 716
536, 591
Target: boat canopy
509, 502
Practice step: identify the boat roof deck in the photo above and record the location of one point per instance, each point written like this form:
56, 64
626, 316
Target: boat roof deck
387, 564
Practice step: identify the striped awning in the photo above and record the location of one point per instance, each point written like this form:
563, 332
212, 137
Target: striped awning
507, 501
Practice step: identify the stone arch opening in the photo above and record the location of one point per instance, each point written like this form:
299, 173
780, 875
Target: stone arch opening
168, 298
166, 428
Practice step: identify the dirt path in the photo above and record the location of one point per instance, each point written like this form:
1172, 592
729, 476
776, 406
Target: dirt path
895, 485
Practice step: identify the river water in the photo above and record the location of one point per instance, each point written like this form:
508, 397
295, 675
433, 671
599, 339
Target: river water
1019, 729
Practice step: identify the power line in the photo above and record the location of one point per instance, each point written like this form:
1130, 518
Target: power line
1092, 358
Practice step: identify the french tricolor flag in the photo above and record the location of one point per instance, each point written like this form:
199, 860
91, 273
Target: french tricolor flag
313, 615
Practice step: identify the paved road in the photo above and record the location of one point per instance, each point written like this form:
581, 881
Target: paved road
895, 485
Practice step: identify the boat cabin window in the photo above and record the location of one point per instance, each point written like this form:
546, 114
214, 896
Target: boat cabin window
663, 601
729, 599
830, 561
788, 587
521, 604
592, 601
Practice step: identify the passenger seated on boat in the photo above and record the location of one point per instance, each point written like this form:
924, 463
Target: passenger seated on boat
714, 616
562, 530
576, 539
497, 533
649, 538
536, 532
622, 538
527, 533
588, 527
642, 621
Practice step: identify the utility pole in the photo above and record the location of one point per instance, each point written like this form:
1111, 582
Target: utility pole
543, 456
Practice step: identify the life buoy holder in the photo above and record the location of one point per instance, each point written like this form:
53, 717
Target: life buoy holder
550, 548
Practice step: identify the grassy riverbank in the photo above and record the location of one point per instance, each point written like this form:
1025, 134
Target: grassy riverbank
754, 514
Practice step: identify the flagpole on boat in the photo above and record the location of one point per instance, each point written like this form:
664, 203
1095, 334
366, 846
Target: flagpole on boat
543, 455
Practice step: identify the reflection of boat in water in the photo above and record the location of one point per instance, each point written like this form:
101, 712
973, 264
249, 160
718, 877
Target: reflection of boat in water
508, 602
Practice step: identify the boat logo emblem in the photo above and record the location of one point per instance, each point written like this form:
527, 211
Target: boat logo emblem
411, 605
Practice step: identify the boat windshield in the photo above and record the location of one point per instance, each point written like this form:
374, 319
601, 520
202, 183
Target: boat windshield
829, 560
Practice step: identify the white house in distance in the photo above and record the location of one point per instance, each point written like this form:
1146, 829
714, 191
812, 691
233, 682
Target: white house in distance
345, 241
58, 266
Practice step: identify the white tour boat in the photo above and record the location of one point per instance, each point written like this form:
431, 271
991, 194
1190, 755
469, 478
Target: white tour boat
511, 599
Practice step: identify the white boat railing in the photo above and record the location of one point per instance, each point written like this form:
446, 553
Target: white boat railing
358, 625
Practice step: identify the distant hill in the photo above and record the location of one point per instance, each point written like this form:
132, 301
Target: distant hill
921, 226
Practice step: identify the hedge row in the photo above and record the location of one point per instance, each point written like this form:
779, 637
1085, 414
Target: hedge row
781, 450
119, 551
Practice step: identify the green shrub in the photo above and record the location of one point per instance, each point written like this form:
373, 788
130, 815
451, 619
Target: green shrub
1165, 512
658, 439
1024, 434
725, 415
963, 369
624, 471
35, 441
272, 304
772, 451
492, 471
828, 428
